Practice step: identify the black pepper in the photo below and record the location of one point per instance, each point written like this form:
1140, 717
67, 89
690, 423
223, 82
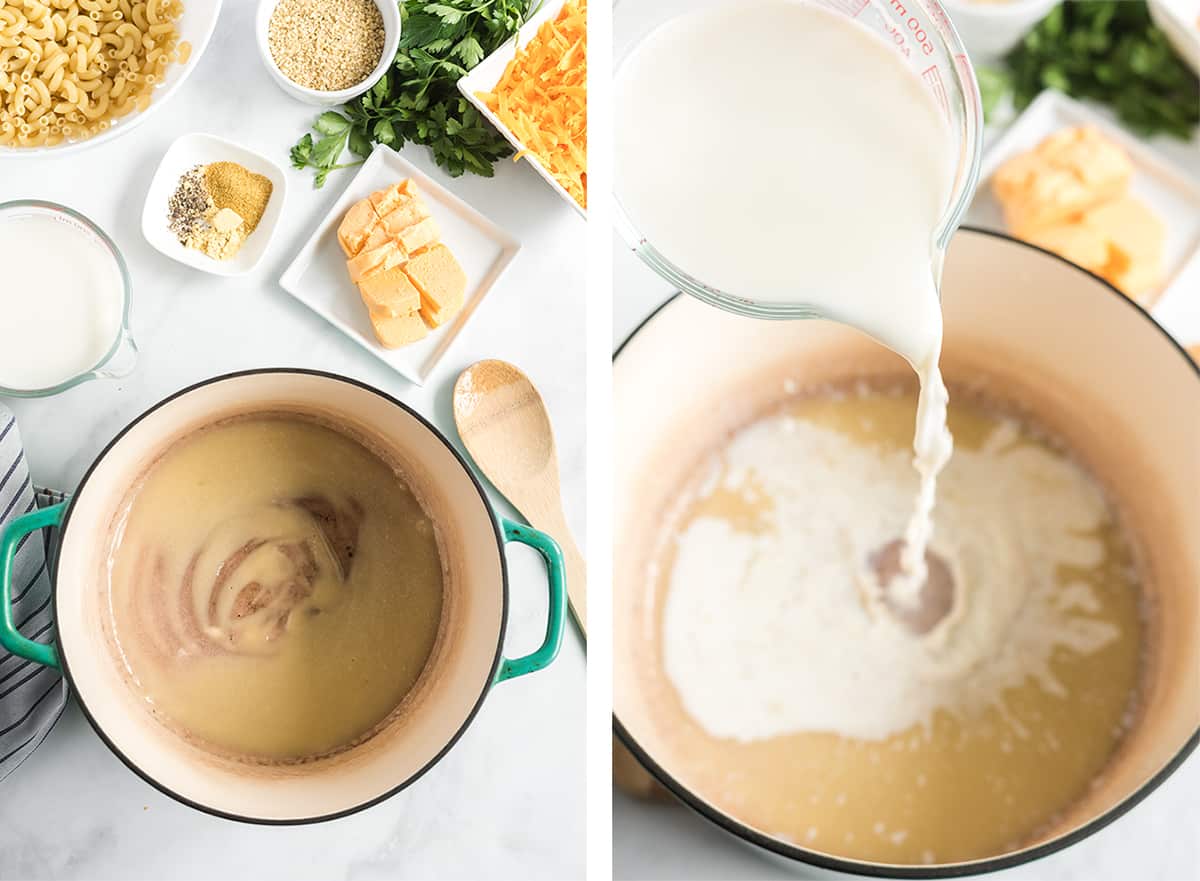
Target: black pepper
189, 204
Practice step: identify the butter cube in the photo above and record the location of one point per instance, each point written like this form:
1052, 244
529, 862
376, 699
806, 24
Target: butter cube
419, 235
390, 293
379, 236
398, 331
383, 201
356, 226
441, 281
1136, 238
1068, 173
1120, 240
378, 259
408, 213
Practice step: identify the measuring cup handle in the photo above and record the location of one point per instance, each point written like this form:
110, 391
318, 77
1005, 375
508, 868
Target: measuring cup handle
123, 359
556, 618
10, 637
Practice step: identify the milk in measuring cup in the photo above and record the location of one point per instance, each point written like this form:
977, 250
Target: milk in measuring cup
784, 154
61, 301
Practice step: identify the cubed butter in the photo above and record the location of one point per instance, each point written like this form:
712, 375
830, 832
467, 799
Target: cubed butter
408, 281
398, 331
375, 260
356, 226
441, 281
419, 235
408, 213
1068, 173
379, 236
1121, 240
390, 293
383, 201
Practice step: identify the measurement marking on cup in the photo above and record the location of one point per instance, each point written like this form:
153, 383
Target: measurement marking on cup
933, 77
941, 21
913, 25
964, 69
852, 8
898, 39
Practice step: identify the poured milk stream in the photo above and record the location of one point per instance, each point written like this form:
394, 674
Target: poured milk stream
784, 154
60, 304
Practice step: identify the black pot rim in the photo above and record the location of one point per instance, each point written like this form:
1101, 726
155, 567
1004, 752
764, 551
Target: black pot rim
884, 870
299, 821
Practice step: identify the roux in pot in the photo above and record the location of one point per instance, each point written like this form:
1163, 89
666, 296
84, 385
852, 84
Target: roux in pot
792, 696
275, 588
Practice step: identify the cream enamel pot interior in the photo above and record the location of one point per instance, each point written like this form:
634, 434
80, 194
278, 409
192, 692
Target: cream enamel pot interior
465, 663
1104, 377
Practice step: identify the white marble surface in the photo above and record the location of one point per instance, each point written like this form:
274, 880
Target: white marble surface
1159, 839
508, 800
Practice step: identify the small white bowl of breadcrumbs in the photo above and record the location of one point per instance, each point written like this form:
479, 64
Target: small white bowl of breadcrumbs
326, 52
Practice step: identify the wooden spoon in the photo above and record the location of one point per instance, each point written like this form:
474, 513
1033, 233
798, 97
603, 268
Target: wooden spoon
502, 420
503, 423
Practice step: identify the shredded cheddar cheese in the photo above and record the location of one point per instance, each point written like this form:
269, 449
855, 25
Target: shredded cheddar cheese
542, 98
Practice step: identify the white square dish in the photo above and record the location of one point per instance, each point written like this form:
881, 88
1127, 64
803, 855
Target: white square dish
187, 152
1172, 194
317, 276
484, 76
1180, 21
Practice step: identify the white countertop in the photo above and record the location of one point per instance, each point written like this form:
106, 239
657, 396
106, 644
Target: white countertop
508, 799
1156, 840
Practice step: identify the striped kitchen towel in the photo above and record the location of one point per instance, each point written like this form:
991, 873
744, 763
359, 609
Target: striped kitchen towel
32, 697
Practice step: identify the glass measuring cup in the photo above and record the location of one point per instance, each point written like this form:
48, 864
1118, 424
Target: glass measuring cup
922, 34
121, 355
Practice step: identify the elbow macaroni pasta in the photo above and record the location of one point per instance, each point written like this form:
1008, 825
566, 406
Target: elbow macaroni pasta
70, 68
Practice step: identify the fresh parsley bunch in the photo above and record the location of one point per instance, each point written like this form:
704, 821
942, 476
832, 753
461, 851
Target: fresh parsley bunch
1109, 51
418, 99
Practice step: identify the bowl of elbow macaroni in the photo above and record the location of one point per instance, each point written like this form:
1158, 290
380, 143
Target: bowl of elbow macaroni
77, 73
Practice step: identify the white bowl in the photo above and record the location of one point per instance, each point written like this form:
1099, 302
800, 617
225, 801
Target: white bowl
991, 29
195, 27
389, 9
201, 149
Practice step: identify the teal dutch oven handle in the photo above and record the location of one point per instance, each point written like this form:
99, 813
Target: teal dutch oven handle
556, 620
38, 652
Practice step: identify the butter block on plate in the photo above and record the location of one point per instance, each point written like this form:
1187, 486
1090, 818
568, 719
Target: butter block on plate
390, 293
356, 227
1067, 173
399, 331
409, 212
441, 281
419, 235
378, 259
409, 281
384, 201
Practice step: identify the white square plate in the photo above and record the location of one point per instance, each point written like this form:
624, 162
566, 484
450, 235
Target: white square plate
484, 76
1180, 21
187, 152
317, 276
1173, 195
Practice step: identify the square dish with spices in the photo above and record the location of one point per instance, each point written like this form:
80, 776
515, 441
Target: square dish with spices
183, 156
